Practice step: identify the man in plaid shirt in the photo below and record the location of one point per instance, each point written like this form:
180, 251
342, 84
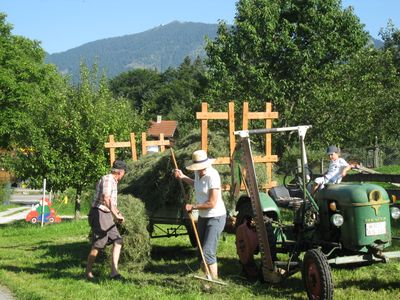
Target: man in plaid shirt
101, 219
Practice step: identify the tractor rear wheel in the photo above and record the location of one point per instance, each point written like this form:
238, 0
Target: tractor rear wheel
317, 275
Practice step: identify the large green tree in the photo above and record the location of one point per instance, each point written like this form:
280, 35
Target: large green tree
277, 51
24, 82
57, 131
391, 42
359, 101
67, 135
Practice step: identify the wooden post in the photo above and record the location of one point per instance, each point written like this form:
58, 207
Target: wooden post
204, 127
231, 120
112, 145
268, 144
133, 146
245, 118
112, 148
162, 145
144, 143
204, 116
268, 115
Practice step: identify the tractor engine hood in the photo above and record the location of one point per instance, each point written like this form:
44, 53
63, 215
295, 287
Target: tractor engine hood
348, 194
366, 214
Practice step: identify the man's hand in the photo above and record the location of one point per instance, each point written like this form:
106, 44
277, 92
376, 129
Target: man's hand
179, 174
120, 218
189, 207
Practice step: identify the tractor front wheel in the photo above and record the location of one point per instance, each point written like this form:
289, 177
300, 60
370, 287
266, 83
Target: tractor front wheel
317, 275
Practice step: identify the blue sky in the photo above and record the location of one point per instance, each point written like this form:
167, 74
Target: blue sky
64, 24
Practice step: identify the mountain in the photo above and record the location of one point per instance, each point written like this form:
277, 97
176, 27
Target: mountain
377, 43
158, 48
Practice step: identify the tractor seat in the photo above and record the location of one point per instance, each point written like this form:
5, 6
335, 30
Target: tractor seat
282, 197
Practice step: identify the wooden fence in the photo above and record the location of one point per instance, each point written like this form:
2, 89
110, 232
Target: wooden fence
205, 116
268, 159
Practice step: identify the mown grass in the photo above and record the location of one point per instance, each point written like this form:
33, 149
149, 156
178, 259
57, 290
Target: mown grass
7, 207
48, 263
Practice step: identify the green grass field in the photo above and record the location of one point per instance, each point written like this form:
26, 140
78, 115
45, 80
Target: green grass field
48, 263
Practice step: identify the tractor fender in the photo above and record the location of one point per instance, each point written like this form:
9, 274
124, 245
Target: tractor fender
268, 205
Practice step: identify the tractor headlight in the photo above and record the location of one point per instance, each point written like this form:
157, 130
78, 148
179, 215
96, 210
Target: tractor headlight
337, 220
395, 212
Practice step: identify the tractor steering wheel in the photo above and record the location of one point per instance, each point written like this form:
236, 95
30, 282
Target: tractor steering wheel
293, 178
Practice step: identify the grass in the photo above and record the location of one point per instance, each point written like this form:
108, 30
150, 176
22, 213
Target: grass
7, 207
48, 263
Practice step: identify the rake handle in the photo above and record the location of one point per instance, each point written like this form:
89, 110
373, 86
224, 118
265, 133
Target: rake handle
206, 268
180, 181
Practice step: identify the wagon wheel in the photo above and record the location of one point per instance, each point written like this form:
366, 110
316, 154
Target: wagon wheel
34, 220
317, 275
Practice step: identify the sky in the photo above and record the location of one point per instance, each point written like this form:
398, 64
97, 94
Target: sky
64, 24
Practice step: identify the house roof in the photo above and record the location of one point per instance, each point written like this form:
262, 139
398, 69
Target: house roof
168, 128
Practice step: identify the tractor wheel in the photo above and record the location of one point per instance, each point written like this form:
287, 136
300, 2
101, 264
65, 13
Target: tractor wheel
51, 220
34, 220
317, 275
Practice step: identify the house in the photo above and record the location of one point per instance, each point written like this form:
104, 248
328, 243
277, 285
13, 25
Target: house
166, 127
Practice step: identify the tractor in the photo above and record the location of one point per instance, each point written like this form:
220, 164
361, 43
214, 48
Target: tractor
346, 223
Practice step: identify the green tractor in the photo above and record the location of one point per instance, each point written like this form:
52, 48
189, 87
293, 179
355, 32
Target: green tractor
346, 223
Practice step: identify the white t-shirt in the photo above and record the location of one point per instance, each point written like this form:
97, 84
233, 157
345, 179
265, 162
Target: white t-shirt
210, 180
334, 174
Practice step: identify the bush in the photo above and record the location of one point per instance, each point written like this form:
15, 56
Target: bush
136, 249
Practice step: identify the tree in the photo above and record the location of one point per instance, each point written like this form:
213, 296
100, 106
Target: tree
277, 51
24, 80
391, 42
68, 133
175, 94
139, 86
359, 101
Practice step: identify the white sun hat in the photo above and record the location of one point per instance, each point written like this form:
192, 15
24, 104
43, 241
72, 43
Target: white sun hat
200, 161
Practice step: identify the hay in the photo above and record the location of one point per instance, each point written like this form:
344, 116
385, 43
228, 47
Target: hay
136, 249
151, 180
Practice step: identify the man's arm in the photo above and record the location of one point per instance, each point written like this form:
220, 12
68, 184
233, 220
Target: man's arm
345, 170
179, 175
112, 208
210, 203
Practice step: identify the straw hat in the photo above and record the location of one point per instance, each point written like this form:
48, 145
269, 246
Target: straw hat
200, 161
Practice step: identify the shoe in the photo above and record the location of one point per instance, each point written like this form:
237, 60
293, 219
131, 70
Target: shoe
90, 278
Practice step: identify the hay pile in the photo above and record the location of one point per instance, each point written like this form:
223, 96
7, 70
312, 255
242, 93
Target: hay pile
136, 249
151, 180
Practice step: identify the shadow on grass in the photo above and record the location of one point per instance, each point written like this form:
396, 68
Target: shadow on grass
61, 257
184, 261
172, 252
373, 284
